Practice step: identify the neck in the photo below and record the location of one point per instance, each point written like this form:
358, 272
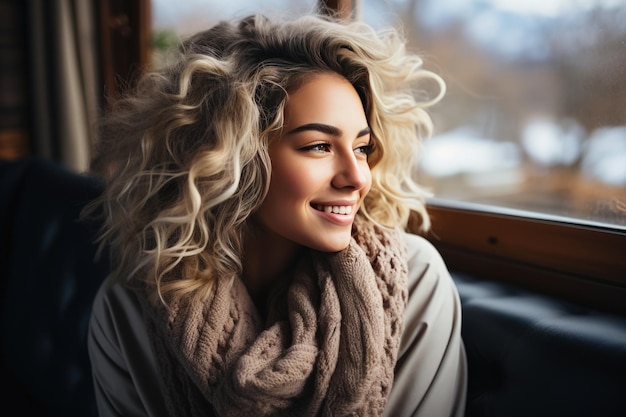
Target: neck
266, 258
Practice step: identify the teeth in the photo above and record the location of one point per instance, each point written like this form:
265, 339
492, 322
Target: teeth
335, 209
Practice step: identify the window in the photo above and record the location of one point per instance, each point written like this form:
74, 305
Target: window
534, 117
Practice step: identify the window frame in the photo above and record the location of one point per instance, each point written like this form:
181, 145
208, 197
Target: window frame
535, 251
125, 43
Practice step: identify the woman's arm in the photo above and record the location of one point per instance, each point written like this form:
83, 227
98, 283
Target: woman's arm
126, 380
431, 371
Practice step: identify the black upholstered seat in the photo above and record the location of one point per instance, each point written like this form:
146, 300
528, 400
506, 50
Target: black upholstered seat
49, 278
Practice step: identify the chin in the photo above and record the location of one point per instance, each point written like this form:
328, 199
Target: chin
336, 246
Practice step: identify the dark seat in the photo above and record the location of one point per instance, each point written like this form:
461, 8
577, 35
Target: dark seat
534, 355
49, 278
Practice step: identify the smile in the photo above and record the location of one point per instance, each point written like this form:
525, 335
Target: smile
334, 209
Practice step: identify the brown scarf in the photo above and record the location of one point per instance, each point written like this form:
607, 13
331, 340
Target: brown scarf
329, 349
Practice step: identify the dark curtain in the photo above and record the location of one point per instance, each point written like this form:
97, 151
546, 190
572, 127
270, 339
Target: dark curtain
64, 79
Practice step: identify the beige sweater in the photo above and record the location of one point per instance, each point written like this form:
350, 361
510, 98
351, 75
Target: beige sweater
429, 377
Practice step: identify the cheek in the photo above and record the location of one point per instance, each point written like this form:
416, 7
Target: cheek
368, 175
291, 182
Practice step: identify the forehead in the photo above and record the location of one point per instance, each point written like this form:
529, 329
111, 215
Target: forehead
324, 98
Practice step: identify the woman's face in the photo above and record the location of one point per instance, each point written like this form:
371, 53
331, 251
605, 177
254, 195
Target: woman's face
320, 173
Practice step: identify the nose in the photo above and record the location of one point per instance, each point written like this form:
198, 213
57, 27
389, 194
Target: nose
351, 172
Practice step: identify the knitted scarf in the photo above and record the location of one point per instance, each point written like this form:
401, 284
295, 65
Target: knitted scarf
328, 348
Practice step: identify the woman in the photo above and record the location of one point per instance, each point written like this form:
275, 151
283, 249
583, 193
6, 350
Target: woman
256, 201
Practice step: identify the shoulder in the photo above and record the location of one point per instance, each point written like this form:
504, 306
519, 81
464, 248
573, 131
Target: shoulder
422, 254
125, 371
113, 300
116, 319
426, 266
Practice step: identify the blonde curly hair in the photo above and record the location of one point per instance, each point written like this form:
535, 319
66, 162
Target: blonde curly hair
185, 155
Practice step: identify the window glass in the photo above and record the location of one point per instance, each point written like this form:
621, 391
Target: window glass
535, 113
173, 20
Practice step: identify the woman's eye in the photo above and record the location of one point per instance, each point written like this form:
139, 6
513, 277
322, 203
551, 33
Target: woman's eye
364, 150
319, 147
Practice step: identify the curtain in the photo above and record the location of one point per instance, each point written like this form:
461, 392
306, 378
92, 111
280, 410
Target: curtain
64, 79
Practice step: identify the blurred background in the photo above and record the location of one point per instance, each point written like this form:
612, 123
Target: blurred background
535, 114
534, 118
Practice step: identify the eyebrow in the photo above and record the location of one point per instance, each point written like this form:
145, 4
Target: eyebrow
327, 129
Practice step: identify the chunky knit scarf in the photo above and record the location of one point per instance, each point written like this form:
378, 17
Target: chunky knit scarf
328, 349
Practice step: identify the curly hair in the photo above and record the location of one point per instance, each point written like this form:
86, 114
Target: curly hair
185, 154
